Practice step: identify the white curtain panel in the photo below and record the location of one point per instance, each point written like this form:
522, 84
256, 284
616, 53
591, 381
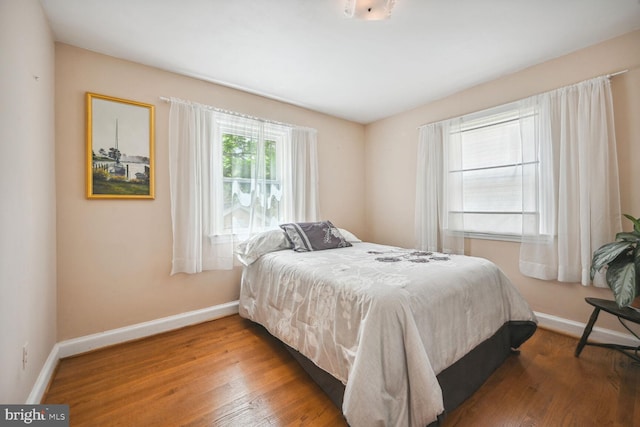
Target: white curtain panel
428, 186
439, 221
539, 249
300, 196
193, 192
200, 240
579, 197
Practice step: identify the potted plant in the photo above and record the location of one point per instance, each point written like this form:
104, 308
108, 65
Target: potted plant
622, 261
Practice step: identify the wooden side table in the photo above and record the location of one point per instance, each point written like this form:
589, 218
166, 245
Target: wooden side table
621, 313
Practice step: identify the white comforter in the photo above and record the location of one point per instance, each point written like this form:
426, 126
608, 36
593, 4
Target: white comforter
383, 320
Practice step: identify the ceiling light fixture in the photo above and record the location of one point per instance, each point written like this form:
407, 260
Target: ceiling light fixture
371, 10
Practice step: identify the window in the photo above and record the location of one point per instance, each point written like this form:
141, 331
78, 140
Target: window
542, 170
492, 174
251, 176
232, 176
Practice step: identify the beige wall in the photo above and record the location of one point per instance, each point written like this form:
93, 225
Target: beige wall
114, 256
27, 196
391, 151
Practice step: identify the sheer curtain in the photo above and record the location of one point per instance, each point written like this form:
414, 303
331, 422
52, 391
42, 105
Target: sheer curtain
439, 208
202, 238
300, 197
579, 198
254, 195
190, 150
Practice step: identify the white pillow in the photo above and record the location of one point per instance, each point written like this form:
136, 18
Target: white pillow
348, 236
260, 244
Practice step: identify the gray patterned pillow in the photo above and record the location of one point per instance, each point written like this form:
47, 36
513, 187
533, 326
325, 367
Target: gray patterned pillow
314, 236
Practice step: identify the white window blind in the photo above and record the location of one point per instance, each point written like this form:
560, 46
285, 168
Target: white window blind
494, 169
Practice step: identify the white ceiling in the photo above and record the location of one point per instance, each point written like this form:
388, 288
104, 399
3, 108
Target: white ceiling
306, 52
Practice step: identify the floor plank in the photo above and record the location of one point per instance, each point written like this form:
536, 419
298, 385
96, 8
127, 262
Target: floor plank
230, 372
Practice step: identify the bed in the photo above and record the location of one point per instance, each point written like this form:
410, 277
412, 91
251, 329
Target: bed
395, 336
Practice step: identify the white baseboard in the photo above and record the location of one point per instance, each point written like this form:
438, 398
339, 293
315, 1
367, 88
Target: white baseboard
80, 345
46, 373
116, 336
575, 329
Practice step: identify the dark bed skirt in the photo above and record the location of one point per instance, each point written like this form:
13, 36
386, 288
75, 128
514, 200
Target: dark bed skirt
459, 381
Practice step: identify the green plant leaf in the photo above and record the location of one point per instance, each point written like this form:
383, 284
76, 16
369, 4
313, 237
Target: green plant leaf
636, 261
635, 221
628, 237
606, 254
621, 277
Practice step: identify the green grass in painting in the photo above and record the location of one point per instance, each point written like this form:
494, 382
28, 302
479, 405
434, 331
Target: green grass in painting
120, 188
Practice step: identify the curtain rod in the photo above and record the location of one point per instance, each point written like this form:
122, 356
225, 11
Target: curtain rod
617, 73
610, 75
234, 113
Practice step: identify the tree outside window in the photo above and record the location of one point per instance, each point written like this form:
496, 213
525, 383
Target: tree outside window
252, 185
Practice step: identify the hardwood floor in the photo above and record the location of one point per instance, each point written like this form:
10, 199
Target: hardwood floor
230, 372
547, 386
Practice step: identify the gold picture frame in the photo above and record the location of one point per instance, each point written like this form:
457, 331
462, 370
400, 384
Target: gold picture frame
120, 148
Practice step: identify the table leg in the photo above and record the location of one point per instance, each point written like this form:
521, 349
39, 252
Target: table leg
587, 331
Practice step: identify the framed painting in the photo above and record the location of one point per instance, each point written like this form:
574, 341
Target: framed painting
120, 148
